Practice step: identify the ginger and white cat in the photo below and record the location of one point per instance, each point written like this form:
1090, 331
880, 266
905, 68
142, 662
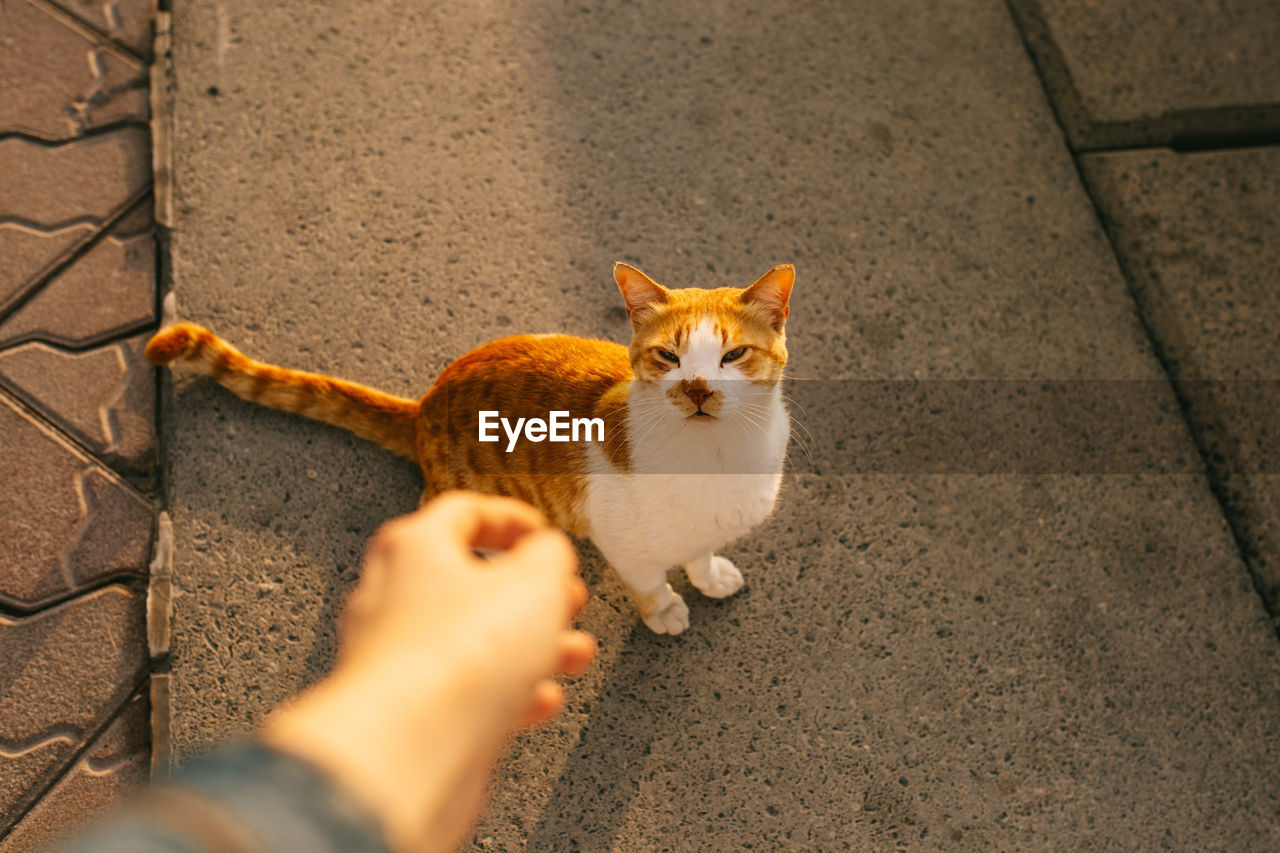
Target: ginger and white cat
695, 428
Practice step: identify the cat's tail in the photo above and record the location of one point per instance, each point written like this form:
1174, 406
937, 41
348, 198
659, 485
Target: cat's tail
382, 418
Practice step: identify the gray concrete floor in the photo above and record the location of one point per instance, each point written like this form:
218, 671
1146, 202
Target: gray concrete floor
955, 661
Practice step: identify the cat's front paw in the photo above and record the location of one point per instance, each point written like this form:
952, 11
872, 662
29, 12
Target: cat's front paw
671, 619
723, 579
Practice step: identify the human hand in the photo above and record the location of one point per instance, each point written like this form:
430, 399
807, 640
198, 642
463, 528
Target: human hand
441, 654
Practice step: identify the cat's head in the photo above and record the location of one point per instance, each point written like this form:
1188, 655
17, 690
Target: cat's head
712, 353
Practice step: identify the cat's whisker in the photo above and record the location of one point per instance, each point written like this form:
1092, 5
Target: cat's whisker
787, 398
750, 409
653, 424
803, 412
626, 422
808, 435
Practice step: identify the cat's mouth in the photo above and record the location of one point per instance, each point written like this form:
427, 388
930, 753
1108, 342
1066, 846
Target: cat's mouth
701, 414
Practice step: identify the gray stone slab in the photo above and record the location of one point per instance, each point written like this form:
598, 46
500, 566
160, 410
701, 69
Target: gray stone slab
1150, 73
935, 663
1200, 234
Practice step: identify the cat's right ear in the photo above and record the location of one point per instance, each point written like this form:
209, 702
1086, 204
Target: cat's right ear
638, 290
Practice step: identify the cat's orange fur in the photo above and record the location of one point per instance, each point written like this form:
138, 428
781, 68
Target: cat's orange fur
523, 376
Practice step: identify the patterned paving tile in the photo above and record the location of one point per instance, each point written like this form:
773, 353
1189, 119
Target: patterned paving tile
125, 21
77, 275
109, 291
60, 77
75, 522
54, 186
65, 670
104, 398
115, 764
29, 252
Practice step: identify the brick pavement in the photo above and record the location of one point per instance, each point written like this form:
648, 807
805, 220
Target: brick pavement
77, 411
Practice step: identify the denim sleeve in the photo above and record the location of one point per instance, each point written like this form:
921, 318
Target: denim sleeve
242, 799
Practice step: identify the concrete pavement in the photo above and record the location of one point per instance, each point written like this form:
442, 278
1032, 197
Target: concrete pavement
918, 662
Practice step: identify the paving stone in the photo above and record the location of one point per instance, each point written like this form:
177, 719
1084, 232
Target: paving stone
28, 252
115, 765
110, 290
939, 663
125, 21
104, 398
1159, 70
77, 523
1200, 233
60, 79
25, 768
83, 181
65, 669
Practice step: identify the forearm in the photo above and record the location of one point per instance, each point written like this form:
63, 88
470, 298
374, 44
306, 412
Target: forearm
247, 798
417, 755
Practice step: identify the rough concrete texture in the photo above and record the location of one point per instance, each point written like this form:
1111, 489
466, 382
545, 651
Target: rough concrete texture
1200, 235
935, 663
104, 397
69, 79
66, 671
79, 523
1132, 60
113, 766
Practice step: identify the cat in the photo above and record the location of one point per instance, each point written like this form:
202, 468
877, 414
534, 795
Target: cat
695, 430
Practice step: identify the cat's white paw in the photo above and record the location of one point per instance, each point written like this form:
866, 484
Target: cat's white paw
671, 619
723, 579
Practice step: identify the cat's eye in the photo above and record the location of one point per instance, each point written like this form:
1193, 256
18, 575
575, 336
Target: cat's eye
733, 355
669, 356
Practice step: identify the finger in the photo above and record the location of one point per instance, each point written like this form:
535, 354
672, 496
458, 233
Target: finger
378, 550
577, 596
548, 699
577, 651
482, 521
372, 584
544, 554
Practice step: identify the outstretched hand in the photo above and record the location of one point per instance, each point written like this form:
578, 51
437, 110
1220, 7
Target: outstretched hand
441, 654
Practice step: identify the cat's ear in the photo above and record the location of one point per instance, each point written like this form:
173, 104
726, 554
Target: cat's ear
772, 291
638, 290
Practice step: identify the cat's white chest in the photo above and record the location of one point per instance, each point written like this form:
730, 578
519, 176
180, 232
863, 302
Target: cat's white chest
689, 493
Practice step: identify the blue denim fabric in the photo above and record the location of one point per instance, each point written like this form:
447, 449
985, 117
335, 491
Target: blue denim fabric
242, 799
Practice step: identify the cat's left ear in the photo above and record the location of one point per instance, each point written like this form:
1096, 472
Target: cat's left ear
772, 291
638, 290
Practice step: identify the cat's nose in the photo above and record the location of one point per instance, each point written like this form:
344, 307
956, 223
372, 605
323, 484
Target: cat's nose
698, 392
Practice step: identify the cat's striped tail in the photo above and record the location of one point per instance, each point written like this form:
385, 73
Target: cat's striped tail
382, 418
